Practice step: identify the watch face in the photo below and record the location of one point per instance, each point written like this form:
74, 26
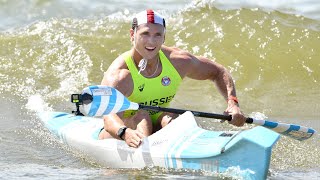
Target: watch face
121, 132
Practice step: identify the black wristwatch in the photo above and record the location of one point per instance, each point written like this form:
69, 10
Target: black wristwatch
121, 132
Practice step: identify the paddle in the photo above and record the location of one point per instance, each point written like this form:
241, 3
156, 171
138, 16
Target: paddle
103, 100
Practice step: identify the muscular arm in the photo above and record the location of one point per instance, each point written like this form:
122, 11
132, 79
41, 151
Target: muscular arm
201, 68
116, 76
119, 77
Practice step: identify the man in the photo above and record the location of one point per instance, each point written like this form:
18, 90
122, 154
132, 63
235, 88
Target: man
150, 73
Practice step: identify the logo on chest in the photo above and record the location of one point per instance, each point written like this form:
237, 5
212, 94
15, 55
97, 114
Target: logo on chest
141, 87
166, 81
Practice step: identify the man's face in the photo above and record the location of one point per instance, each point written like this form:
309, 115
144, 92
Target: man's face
148, 39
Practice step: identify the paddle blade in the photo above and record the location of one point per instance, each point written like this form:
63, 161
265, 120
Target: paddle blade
106, 100
294, 131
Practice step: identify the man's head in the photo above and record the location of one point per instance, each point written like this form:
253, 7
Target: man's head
148, 33
148, 16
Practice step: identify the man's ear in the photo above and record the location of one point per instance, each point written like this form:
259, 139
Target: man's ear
131, 35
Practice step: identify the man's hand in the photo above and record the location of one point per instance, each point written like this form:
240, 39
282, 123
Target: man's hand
133, 137
238, 119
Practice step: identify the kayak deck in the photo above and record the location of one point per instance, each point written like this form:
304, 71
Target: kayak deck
181, 144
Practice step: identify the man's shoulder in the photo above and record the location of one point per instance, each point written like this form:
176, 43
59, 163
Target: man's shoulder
171, 49
176, 54
119, 63
118, 69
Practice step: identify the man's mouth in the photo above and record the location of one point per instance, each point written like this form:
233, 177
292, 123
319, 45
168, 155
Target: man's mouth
150, 48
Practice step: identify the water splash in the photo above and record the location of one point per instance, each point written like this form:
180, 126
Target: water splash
37, 104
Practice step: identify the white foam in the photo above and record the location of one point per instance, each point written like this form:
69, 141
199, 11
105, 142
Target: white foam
37, 104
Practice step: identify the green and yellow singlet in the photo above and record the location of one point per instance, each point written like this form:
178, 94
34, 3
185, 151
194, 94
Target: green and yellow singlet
157, 91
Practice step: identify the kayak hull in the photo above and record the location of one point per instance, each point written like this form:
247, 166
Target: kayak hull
181, 144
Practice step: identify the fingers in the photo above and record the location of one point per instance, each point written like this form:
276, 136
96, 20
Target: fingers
224, 113
133, 138
134, 142
140, 135
238, 119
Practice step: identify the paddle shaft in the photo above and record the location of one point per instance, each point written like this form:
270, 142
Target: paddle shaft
195, 113
294, 131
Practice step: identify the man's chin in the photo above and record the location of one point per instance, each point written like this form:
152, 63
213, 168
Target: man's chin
150, 55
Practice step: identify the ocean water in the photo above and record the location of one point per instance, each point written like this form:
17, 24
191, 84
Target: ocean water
50, 49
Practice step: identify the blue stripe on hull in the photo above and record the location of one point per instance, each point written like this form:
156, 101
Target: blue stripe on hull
181, 141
